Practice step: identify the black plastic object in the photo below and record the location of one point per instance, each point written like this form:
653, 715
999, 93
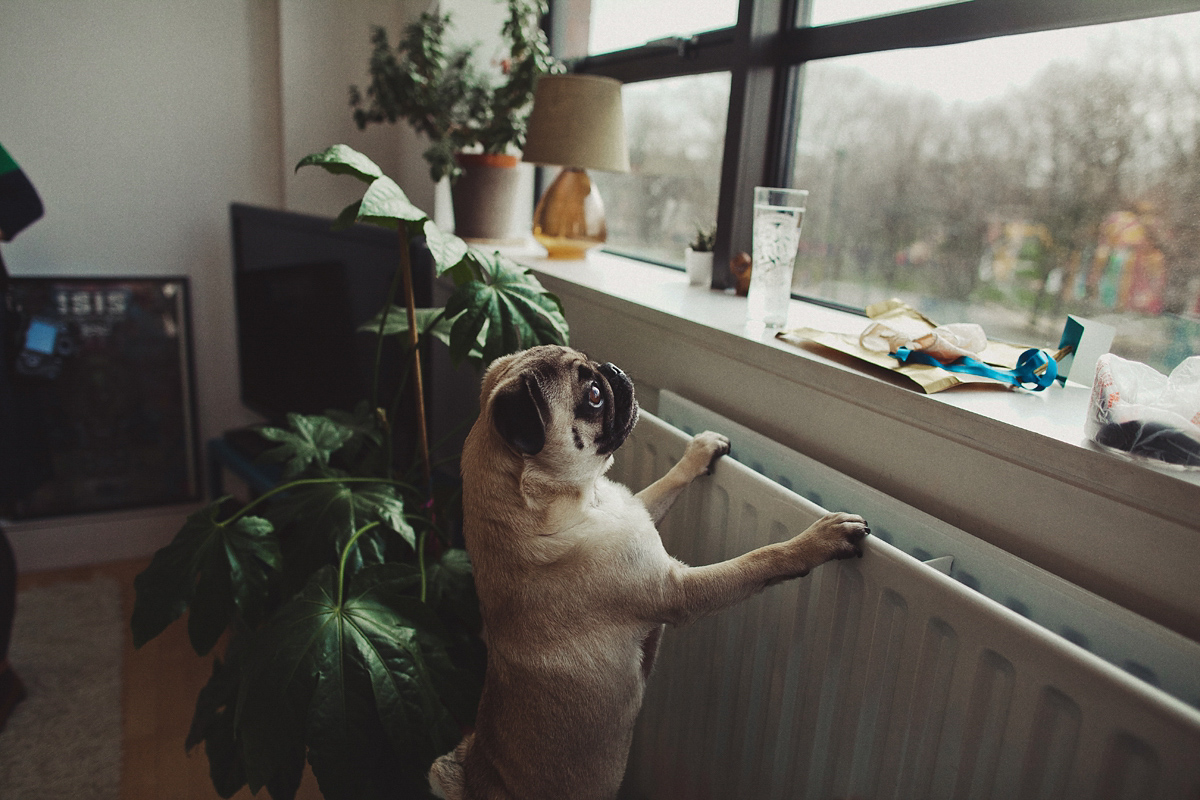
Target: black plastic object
1151, 440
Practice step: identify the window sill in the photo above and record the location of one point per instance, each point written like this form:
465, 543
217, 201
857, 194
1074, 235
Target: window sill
1055, 415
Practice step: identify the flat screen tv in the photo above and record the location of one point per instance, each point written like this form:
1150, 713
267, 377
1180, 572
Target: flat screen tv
302, 291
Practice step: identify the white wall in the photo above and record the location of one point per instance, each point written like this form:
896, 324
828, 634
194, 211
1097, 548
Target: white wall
139, 121
324, 46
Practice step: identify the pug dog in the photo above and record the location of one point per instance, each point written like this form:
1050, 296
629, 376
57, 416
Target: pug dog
573, 581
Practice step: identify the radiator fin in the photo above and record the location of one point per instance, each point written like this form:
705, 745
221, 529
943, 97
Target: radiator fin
984, 724
1131, 769
1051, 747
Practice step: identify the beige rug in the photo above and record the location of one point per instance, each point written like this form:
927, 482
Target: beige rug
64, 739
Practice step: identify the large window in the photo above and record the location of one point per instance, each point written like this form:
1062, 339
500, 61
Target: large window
824, 12
676, 133
1000, 161
1011, 181
621, 24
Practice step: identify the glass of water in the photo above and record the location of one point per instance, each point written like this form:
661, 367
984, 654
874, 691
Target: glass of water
778, 214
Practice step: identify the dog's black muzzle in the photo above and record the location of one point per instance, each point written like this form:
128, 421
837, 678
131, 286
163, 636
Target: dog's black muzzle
623, 407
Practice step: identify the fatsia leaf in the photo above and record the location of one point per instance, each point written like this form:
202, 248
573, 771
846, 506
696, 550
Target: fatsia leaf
430, 321
286, 781
225, 767
386, 204
451, 592
212, 568
447, 249
507, 311
320, 518
334, 510
465, 271
215, 724
309, 439
380, 502
362, 421
452, 587
342, 160
220, 692
440, 329
347, 217
353, 675
365, 431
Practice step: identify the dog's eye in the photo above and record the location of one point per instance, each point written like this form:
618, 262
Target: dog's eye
595, 396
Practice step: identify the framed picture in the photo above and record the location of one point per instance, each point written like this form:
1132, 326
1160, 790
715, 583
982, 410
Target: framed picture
104, 375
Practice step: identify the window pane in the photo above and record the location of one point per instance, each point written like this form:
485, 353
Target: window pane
619, 24
676, 133
825, 12
1012, 181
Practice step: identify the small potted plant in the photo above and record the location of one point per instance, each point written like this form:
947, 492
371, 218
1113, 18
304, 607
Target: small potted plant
474, 123
698, 257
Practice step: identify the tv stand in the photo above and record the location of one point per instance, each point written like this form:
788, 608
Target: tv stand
236, 453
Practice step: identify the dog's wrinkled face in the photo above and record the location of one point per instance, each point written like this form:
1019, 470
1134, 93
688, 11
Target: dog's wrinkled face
560, 407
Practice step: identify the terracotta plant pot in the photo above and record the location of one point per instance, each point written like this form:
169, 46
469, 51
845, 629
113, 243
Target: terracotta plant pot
483, 195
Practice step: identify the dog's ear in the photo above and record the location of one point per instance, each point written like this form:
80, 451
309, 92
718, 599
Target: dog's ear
519, 413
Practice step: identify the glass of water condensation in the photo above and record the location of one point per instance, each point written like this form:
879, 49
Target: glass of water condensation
778, 214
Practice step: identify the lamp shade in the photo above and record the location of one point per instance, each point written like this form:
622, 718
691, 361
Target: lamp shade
577, 121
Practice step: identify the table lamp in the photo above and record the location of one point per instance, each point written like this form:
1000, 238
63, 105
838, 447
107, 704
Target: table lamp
577, 124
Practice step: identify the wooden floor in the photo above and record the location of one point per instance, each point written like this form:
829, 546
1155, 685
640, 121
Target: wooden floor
158, 694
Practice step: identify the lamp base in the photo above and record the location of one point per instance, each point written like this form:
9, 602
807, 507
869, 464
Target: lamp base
569, 218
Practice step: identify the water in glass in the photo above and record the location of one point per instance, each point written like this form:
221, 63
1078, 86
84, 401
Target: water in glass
776, 238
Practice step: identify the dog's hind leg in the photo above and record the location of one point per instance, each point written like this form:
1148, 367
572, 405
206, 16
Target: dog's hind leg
702, 451
446, 777
650, 650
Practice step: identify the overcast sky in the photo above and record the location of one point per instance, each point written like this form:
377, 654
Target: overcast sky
969, 72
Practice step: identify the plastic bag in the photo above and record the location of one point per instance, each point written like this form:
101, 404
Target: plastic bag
944, 343
1138, 410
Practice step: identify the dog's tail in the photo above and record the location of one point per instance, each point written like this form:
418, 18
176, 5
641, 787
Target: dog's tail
447, 779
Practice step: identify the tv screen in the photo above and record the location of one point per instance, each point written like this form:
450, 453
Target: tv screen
302, 291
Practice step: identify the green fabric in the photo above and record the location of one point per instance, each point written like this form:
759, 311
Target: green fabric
6, 162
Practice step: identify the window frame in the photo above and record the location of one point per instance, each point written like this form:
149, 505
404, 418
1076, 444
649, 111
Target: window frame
765, 54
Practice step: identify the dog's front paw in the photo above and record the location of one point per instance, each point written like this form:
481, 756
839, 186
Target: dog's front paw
703, 451
836, 535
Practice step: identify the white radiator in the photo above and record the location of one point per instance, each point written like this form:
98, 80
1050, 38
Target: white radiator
936, 666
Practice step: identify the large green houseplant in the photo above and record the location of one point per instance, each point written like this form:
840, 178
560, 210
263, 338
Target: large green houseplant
346, 625
444, 94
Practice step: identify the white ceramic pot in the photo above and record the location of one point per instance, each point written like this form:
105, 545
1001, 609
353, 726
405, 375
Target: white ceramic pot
699, 267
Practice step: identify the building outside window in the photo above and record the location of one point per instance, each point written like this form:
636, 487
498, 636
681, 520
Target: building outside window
994, 161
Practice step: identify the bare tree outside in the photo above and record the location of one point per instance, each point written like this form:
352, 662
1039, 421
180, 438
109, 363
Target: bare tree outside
1077, 192
676, 134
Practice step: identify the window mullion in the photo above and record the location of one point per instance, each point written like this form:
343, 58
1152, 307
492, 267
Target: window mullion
755, 151
785, 104
707, 52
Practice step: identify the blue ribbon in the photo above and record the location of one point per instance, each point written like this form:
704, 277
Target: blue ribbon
1026, 371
